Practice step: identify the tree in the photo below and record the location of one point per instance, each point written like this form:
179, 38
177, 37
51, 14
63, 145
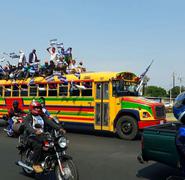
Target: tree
154, 91
175, 91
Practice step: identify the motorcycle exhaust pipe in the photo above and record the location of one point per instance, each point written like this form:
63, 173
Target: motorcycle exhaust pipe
20, 163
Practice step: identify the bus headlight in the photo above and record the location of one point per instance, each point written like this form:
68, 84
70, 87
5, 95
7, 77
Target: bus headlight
62, 142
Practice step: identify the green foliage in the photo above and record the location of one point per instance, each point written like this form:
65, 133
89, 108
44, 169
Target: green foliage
154, 91
176, 90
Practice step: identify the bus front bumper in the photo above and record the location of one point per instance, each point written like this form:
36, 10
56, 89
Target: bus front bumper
143, 124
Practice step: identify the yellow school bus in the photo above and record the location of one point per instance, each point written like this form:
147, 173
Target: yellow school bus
102, 101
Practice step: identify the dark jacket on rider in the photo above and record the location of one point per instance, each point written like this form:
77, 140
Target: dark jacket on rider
15, 112
48, 124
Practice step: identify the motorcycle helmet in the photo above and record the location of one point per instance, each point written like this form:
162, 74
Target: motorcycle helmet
179, 107
35, 108
15, 104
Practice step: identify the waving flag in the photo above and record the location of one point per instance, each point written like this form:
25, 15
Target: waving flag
31, 81
49, 78
142, 76
62, 79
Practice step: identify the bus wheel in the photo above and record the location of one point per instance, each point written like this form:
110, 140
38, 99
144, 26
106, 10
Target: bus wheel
127, 128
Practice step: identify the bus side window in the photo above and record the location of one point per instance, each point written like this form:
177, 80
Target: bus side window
1, 90
52, 89
15, 90
33, 90
42, 89
63, 89
74, 89
98, 90
87, 89
24, 90
8, 91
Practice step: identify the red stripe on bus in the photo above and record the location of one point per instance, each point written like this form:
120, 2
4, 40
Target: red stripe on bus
77, 118
71, 109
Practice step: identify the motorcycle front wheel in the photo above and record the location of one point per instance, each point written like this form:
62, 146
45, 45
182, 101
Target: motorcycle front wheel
70, 171
26, 158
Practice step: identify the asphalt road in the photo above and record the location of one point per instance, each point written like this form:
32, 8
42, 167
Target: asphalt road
98, 157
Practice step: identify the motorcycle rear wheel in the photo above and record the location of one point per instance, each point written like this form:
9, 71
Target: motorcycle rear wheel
70, 170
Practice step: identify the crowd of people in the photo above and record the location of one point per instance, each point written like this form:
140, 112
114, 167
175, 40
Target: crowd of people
61, 62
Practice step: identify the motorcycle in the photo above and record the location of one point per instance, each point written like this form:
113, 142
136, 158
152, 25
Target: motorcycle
14, 125
53, 158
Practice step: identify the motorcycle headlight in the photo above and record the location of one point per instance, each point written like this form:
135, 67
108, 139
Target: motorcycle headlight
62, 142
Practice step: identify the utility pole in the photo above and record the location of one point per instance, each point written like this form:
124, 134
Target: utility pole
173, 79
180, 80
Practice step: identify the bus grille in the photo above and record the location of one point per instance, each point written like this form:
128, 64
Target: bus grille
160, 112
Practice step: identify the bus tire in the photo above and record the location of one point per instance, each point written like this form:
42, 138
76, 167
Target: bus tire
127, 128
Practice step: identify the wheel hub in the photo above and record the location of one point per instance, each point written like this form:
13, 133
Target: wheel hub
126, 127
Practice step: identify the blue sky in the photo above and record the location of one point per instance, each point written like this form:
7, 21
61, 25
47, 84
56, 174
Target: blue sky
107, 35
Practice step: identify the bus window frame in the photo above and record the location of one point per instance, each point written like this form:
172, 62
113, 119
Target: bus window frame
39, 90
66, 86
23, 90
30, 90
2, 92
7, 88
83, 90
13, 91
50, 89
77, 89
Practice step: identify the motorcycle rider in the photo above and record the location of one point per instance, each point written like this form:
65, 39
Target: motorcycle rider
179, 113
45, 111
35, 124
15, 111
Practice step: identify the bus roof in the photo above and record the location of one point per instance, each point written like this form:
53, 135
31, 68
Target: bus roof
87, 76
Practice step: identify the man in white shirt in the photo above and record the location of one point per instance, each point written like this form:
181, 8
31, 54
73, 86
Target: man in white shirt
22, 58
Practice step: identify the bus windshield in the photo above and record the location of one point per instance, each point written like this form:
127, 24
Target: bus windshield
124, 88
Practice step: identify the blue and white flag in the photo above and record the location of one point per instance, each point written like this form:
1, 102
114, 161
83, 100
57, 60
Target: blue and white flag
49, 78
31, 81
142, 76
62, 79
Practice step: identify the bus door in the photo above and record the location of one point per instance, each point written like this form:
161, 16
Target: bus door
102, 106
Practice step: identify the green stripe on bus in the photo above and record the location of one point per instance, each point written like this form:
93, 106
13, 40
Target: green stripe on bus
132, 105
3, 110
77, 114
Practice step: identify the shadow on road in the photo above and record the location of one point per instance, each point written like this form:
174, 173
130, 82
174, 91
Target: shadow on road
157, 171
48, 176
99, 133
